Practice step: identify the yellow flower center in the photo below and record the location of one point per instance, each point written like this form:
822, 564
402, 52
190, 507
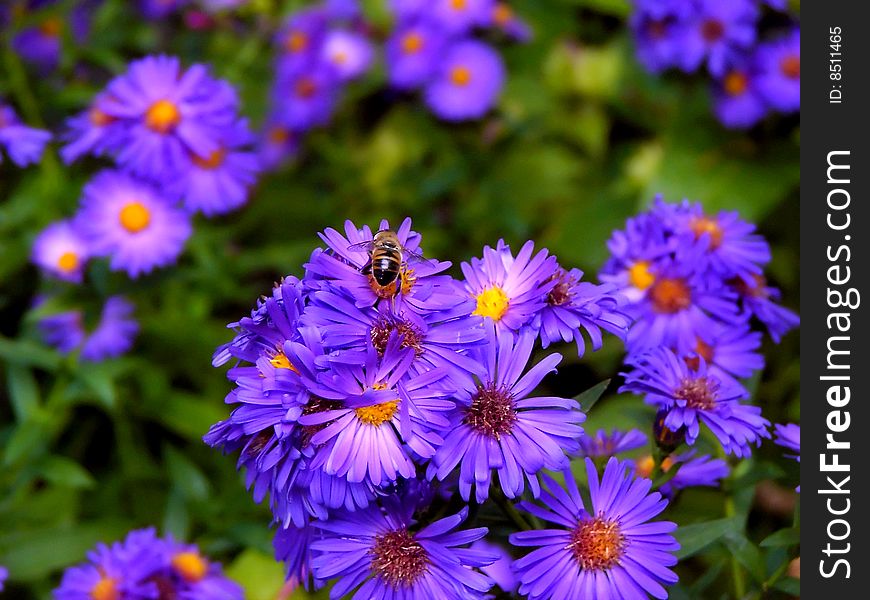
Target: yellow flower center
190, 566
640, 276
377, 414
135, 217
645, 465
458, 4
280, 361
735, 83
460, 76
105, 589
703, 225
597, 544
162, 116
412, 43
493, 303
68, 262
213, 161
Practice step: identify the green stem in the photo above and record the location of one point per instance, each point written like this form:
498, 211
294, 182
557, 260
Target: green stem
738, 576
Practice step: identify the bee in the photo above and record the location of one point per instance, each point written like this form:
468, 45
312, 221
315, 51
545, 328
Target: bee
386, 257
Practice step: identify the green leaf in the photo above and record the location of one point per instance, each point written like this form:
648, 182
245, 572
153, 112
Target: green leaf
63, 471
746, 553
28, 354
187, 477
588, 398
789, 585
784, 537
694, 538
258, 573
23, 391
28, 439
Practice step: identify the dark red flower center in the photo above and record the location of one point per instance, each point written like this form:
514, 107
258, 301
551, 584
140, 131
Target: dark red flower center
670, 295
561, 293
699, 393
791, 66
410, 334
597, 544
492, 411
398, 559
712, 30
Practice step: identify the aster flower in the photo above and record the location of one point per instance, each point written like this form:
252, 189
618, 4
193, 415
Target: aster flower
4, 574
467, 81
716, 31
724, 244
692, 471
299, 38
220, 182
375, 553
608, 551
695, 396
413, 52
305, 98
737, 101
504, 18
789, 436
130, 222
164, 113
90, 132
659, 27
23, 144
195, 577
40, 44
510, 291
293, 547
730, 351
604, 445
112, 336
760, 300
349, 54
278, 144
460, 16
60, 251
779, 71
498, 428
574, 306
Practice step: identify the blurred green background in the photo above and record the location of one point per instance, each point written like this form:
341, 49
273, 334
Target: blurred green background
581, 139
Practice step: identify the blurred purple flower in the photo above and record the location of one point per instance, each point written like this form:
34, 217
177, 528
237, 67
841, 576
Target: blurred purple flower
23, 144
604, 445
413, 52
467, 82
716, 31
60, 250
779, 72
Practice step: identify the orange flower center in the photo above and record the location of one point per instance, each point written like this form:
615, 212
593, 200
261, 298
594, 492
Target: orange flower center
712, 30
645, 465
51, 27
502, 14
736, 83
280, 361
670, 295
162, 116
98, 118
68, 262
279, 135
493, 303
135, 217
297, 41
791, 66
190, 566
709, 226
703, 350
105, 589
460, 76
306, 87
214, 160
412, 43
378, 413
458, 4
640, 276
597, 544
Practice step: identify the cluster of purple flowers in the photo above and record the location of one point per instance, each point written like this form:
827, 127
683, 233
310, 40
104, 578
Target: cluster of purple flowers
144, 566
696, 284
753, 72
319, 50
361, 398
432, 48
22, 144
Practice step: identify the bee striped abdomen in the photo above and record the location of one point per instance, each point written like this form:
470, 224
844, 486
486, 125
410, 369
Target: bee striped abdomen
385, 266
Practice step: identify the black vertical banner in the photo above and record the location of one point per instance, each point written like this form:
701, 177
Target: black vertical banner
835, 341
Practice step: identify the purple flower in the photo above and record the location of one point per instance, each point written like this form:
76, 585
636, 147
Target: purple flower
607, 551
789, 436
467, 81
305, 98
374, 554
90, 132
195, 577
130, 222
4, 574
759, 299
413, 52
504, 18
510, 291
165, 113
574, 306
40, 45
737, 101
220, 182
729, 350
724, 244
692, 471
604, 445
349, 54
298, 40
60, 251
278, 144
23, 144
293, 547
716, 31
498, 428
695, 396
501, 570
112, 336
659, 28
156, 9
460, 16
779, 72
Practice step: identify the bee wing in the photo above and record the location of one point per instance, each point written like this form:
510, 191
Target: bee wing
361, 246
417, 256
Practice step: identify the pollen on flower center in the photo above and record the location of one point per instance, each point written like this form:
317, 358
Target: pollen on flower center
702, 350
492, 411
135, 217
212, 161
412, 43
410, 334
460, 76
502, 14
492, 302
162, 116
398, 559
699, 393
105, 589
98, 118
670, 295
712, 30
735, 83
597, 544
646, 464
68, 262
561, 293
640, 276
190, 566
377, 414
297, 41
702, 225
791, 66
280, 361
458, 4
